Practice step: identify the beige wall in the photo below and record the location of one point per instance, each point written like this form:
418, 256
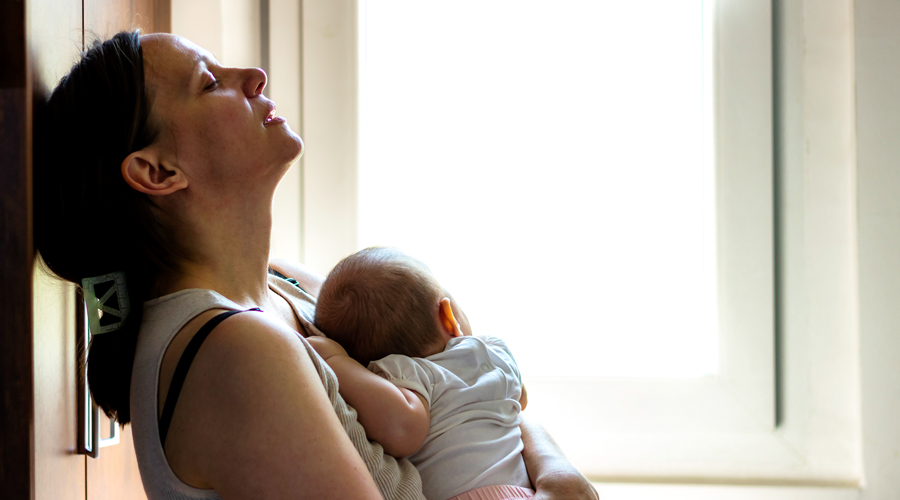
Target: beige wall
330, 118
201, 22
232, 30
285, 84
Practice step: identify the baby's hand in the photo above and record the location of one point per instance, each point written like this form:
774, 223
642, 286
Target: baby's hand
326, 347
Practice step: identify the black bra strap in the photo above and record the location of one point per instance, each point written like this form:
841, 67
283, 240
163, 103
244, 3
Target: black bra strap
181, 371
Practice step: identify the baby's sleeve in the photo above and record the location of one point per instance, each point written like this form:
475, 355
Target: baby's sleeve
408, 373
500, 350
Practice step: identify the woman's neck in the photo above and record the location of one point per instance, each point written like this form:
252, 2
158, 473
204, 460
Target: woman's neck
228, 248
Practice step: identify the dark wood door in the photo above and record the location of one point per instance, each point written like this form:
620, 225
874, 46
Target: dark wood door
39, 42
16, 348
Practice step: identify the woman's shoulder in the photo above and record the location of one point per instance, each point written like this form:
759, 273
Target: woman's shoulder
237, 343
242, 355
234, 364
252, 373
251, 333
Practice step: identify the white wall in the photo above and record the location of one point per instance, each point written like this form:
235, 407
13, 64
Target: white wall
838, 116
815, 164
878, 167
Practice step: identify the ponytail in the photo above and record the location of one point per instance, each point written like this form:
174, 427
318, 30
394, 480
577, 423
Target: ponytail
88, 221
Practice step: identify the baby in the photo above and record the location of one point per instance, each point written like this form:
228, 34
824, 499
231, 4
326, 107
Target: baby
435, 393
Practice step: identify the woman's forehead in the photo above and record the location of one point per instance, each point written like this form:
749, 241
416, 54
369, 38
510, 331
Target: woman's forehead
172, 61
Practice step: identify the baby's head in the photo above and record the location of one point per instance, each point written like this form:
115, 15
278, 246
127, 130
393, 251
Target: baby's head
380, 301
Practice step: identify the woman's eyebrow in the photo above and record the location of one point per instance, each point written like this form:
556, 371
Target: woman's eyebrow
200, 67
207, 60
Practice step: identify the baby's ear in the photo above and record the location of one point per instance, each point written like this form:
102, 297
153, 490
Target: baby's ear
145, 172
449, 325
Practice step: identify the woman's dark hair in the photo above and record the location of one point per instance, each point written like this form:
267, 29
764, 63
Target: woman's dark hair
88, 221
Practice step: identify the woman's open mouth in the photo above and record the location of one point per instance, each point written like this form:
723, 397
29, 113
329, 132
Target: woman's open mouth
272, 119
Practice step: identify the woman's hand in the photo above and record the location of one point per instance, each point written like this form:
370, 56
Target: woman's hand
551, 474
565, 487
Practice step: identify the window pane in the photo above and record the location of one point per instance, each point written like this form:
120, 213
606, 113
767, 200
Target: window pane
551, 163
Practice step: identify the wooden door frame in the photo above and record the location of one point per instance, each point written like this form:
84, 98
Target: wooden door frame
16, 259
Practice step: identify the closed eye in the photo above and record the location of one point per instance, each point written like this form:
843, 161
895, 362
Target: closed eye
213, 85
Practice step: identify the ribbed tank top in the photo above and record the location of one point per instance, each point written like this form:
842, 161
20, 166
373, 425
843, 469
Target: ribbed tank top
163, 319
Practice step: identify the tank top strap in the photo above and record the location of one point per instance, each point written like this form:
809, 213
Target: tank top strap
181, 371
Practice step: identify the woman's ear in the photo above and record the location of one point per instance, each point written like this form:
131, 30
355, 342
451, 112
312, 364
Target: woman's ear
448, 323
145, 172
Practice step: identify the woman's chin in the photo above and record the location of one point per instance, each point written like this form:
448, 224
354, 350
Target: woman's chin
291, 156
297, 147
300, 147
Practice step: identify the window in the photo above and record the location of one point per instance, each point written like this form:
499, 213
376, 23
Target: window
552, 159
721, 427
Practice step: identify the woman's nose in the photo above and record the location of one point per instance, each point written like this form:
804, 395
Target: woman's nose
254, 82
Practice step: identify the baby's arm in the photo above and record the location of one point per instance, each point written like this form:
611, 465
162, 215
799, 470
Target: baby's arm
396, 418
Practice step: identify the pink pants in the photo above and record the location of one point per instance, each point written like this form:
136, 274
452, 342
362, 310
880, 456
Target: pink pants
499, 492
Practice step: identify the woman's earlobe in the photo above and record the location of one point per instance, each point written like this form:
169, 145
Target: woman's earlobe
144, 172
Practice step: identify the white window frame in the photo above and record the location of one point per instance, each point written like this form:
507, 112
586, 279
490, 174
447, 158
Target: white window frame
721, 429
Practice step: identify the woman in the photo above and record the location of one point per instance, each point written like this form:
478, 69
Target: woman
160, 164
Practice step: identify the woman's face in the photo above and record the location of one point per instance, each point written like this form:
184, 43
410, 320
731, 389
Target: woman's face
217, 126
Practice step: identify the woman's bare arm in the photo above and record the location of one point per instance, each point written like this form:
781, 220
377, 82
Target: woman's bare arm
551, 474
254, 421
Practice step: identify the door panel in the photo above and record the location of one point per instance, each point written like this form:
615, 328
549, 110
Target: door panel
54, 41
114, 473
152, 16
38, 354
105, 18
58, 468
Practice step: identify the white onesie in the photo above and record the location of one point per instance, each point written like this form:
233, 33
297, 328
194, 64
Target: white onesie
473, 388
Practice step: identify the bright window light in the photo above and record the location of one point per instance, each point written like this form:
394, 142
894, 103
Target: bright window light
552, 163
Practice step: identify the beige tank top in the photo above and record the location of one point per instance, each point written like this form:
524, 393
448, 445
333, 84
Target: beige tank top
163, 319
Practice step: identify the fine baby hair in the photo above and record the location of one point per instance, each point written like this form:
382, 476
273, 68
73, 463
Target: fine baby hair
380, 301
